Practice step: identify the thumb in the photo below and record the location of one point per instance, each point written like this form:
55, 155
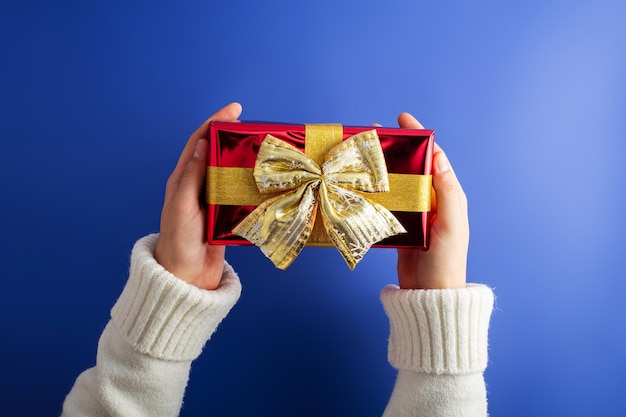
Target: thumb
193, 176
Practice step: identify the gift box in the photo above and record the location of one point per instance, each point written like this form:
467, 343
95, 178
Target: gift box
285, 186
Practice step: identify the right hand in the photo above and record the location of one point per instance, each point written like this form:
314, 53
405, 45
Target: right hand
443, 265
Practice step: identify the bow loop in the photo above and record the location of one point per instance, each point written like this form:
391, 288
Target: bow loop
280, 166
282, 224
358, 163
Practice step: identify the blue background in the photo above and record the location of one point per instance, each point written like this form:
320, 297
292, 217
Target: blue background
527, 98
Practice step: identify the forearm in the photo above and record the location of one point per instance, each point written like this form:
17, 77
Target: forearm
419, 394
438, 343
158, 326
125, 382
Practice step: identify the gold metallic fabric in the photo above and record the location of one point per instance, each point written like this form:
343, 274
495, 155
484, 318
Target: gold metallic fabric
237, 187
297, 185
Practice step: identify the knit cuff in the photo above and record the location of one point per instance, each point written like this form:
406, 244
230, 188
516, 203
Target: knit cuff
163, 316
439, 331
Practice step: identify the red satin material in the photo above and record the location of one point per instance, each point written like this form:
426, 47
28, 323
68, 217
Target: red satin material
407, 151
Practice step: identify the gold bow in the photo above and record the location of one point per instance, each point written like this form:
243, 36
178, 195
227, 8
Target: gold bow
281, 225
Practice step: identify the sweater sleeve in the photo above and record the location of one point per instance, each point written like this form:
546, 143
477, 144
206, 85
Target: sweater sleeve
158, 326
438, 343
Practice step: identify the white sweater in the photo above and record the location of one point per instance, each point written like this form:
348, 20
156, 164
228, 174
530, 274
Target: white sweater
160, 324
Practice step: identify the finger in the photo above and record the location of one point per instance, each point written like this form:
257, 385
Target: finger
229, 112
376, 125
407, 120
451, 199
192, 177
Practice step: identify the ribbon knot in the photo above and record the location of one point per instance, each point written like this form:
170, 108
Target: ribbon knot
296, 186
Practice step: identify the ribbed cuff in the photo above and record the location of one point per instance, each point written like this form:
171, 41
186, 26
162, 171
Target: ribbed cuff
163, 316
439, 331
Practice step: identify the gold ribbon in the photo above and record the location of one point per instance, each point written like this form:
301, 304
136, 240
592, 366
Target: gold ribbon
329, 175
230, 186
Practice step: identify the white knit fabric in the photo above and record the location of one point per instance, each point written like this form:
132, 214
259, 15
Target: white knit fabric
438, 343
164, 317
439, 331
160, 324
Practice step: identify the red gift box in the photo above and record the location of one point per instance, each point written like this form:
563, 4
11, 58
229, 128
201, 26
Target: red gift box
232, 193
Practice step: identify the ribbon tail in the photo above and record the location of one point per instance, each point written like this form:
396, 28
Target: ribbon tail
281, 226
354, 223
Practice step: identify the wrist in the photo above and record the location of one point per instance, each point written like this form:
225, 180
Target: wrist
161, 315
201, 266
417, 270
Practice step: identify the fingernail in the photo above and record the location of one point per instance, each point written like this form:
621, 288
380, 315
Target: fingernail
442, 163
199, 149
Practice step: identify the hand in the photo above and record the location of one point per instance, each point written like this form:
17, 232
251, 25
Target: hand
443, 265
182, 248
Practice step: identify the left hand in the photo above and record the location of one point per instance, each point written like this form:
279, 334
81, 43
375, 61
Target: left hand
182, 247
